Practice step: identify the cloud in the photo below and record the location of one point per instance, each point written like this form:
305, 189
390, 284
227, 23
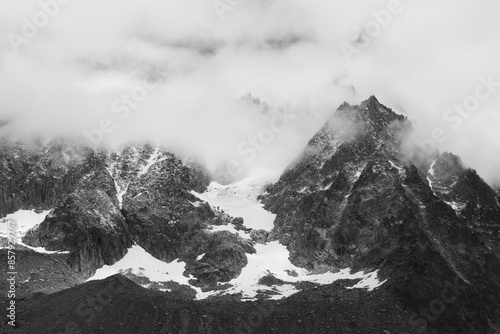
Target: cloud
91, 54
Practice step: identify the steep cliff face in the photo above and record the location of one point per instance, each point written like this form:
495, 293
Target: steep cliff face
170, 222
473, 200
344, 194
354, 199
88, 223
103, 202
37, 175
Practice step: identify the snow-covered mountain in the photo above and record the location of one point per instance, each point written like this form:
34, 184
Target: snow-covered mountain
354, 223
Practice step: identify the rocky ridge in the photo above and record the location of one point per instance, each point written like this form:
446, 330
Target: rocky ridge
103, 202
356, 199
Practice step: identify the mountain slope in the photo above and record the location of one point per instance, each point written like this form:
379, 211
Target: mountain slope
355, 199
117, 305
356, 236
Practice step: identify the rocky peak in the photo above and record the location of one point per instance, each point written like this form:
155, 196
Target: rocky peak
446, 169
353, 200
371, 112
471, 187
359, 130
448, 164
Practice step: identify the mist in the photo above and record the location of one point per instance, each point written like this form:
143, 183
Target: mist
249, 83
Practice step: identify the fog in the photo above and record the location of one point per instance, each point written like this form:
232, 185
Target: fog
179, 73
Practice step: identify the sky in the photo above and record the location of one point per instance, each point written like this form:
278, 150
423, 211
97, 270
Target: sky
249, 82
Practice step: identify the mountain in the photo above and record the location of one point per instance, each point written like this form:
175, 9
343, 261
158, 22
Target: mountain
357, 235
101, 203
354, 198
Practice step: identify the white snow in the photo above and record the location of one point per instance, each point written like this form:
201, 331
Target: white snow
120, 190
200, 257
357, 175
153, 159
272, 258
25, 220
432, 175
304, 189
370, 281
240, 199
458, 207
325, 187
141, 263
431, 168
400, 169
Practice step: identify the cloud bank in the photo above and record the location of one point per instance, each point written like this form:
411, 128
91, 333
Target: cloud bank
179, 72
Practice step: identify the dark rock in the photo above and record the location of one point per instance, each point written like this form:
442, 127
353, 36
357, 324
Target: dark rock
353, 199
88, 223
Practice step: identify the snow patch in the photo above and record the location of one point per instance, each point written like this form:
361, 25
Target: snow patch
357, 175
153, 159
393, 165
304, 190
326, 187
273, 258
120, 190
25, 220
431, 175
370, 281
458, 207
240, 199
139, 262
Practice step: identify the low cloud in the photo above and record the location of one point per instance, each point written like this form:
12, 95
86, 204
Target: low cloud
89, 54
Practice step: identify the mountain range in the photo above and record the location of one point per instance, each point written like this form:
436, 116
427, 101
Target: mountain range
359, 234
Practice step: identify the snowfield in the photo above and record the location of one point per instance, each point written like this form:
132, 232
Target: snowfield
139, 262
239, 199
25, 220
272, 258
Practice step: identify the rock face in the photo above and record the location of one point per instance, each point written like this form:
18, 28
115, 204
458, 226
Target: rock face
344, 194
353, 199
171, 223
88, 223
34, 175
103, 202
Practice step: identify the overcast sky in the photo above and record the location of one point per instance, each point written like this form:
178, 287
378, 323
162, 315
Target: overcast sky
195, 61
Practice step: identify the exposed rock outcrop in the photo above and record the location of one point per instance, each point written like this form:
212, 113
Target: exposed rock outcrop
170, 222
37, 175
354, 200
88, 223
